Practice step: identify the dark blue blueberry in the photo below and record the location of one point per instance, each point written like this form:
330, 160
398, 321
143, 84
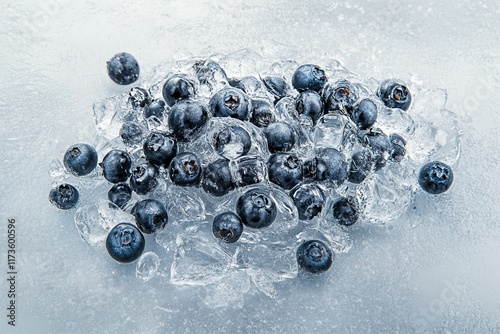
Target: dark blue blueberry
144, 178
262, 113
125, 243
340, 97
314, 256
185, 169
150, 216
365, 114
256, 208
380, 145
308, 77
123, 68
64, 196
177, 87
80, 159
346, 210
249, 84
232, 142
285, 170
209, 72
159, 148
435, 177
217, 179
309, 200
398, 148
186, 118
280, 137
250, 170
155, 108
228, 227
131, 133
138, 97
360, 167
116, 166
310, 104
328, 165
277, 86
120, 194
394, 95
230, 102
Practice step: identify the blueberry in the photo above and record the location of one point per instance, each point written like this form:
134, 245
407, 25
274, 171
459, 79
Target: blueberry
314, 256
308, 77
144, 178
435, 177
155, 108
159, 148
262, 113
186, 118
256, 208
340, 96
177, 87
232, 142
185, 169
250, 170
150, 216
285, 170
227, 226
328, 165
217, 179
277, 86
116, 166
310, 104
120, 194
346, 210
131, 133
365, 114
80, 159
123, 68
309, 200
380, 145
209, 72
394, 95
248, 84
280, 137
398, 147
64, 196
138, 97
230, 102
360, 167
125, 243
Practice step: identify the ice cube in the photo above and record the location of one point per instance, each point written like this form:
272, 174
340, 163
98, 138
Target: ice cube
183, 204
147, 266
109, 114
335, 131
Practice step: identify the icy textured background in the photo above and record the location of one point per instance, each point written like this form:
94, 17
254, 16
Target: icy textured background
436, 269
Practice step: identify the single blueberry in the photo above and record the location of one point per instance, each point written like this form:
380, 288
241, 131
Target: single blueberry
380, 145
217, 179
248, 84
64, 196
155, 108
232, 142
116, 166
280, 137
262, 113
159, 148
346, 210
120, 194
314, 256
138, 97
185, 169
177, 87
150, 216
131, 133
277, 86
186, 118
435, 177
308, 77
230, 102
365, 114
123, 68
125, 243
227, 226
360, 167
285, 170
309, 200
144, 178
256, 208
80, 159
394, 95
398, 147
340, 97
249, 170
310, 103
328, 165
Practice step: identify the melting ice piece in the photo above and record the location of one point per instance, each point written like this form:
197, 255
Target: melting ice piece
336, 236
335, 131
109, 115
184, 204
147, 266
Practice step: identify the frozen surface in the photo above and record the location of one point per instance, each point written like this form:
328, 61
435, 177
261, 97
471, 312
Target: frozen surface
434, 269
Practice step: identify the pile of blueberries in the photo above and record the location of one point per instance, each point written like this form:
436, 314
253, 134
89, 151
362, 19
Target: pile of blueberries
306, 180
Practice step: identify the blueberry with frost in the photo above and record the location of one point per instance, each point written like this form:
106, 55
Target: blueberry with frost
185, 169
123, 68
256, 208
131, 133
314, 256
159, 148
360, 166
340, 97
217, 179
280, 137
138, 97
309, 200
262, 113
177, 87
144, 178
156, 108
232, 142
64, 196
310, 103
80, 159
346, 210
435, 177
116, 166
230, 102
248, 84
394, 95
398, 147
249, 170
186, 118
285, 169
365, 114
150, 216
120, 194
328, 165
227, 226
277, 86
308, 77
125, 243
380, 146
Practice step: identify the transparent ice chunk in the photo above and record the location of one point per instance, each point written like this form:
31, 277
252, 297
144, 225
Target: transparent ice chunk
147, 266
335, 131
184, 204
109, 115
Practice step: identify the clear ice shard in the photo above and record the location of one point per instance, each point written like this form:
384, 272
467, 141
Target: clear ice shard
147, 266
